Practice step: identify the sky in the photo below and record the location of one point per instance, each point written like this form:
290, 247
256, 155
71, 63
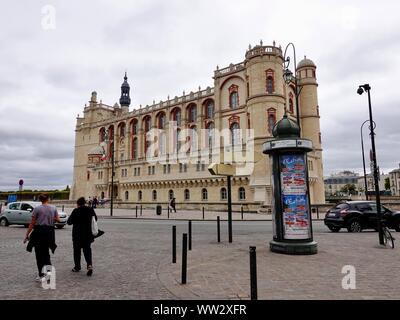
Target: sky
55, 53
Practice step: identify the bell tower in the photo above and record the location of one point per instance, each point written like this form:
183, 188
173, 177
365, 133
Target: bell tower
125, 99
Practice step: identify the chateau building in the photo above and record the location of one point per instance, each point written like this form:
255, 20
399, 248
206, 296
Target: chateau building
163, 150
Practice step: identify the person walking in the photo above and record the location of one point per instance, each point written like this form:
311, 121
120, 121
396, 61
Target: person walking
95, 202
172, 204
82, 236
41, 234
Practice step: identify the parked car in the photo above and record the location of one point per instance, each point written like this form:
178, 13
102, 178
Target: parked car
356, 216
21, 213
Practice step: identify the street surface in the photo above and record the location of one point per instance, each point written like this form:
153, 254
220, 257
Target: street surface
133, 261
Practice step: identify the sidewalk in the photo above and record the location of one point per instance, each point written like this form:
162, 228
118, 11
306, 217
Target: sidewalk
221, 270
182, 215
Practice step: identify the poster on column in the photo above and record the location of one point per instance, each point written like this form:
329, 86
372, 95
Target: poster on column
296, 218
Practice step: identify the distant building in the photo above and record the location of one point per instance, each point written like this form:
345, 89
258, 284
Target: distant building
370, 183
335, 183
394, 177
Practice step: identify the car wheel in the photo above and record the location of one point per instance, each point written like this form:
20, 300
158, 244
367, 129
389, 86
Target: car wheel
334, 229
397, 227
26, 225
60, 227
354, 225
4, 222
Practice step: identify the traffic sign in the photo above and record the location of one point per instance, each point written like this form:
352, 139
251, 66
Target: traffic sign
21, 182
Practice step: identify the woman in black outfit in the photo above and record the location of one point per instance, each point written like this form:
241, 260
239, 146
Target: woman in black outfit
82, 237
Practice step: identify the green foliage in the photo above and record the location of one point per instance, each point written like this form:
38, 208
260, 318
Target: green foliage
349, 188
387, 184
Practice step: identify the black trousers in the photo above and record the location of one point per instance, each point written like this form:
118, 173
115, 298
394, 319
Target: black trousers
42, 257
87, 252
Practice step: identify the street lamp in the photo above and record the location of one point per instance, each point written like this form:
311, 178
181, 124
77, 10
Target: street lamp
360, 91
290, 78
363, 157
110, 140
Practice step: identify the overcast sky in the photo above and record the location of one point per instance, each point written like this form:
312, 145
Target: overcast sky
47, 74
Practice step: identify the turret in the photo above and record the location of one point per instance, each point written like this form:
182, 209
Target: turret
125, 99
310, 125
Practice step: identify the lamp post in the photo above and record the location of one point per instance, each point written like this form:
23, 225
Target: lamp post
363, 157
110, 140
289, 77
360, 91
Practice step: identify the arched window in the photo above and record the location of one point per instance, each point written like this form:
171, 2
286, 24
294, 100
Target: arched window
186, 194
270, 81
134, 148
134, 127
177, 116
170, 194
154, 195
210, 134
102, 195
233, 96
204, 194
209, 109
193, 138
139, 196
192, 113
291, 108
223, 194
102, 134
146, 127
147, 123
122, 130
271, 119
178, 140
161, 121
242, 193
235, 134
126, 195
161, 143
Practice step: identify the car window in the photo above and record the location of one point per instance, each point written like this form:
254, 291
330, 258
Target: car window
342, 206
364, 207
14, 206
26, 206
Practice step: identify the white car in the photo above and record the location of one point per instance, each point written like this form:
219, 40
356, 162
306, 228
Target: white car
21, 213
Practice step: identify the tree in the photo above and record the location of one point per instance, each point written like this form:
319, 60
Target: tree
67, 188
349, 188
387, 184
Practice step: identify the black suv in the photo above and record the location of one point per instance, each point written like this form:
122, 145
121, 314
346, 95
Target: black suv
358, 215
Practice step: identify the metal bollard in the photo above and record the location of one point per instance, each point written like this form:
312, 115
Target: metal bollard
141, 207
317, 213
253, 273
168, 211
173, 244
136, 211
184, 258
241, 209
62, 208
190, 234
218, 229
203, 213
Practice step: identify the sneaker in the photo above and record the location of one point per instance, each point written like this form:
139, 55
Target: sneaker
75, 270
89, 271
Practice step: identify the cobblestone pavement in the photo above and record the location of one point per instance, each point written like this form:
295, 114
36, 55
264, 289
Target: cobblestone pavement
133, 261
